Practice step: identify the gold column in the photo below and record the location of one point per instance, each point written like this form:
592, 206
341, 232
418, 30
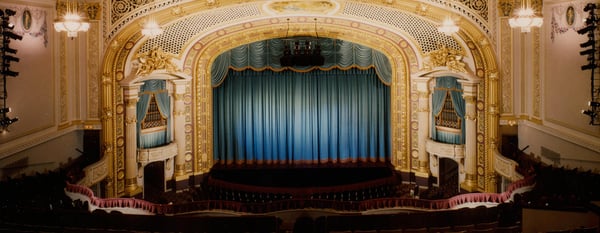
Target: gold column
470, 163
423, 112
493, 133
179, 125
108, 136
131, 168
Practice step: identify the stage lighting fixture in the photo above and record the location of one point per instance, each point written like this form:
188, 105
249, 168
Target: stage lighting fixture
10, 58
588, 112
7, 49
589, 28
588, 52
10, 73
12, 35
4, 110
10, 12
594, 104
588, 43
7, 25
589, 7
590, 66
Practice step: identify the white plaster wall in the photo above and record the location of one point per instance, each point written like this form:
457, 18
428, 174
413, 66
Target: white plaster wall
44, 157
573, 153
31, 95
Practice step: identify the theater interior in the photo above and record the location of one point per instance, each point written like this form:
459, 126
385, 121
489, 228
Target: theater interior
300, 116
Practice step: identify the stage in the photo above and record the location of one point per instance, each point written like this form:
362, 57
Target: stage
302, 176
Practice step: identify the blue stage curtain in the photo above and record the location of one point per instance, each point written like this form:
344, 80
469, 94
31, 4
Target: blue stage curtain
264, 55
142, 109
443, 86
310, 117
156, 89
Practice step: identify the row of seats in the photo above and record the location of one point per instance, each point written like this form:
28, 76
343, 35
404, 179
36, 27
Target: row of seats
382, 191
465, 219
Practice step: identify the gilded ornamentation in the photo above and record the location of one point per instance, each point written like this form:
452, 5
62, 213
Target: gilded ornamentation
106, 80
155, 59
445, 56
478, 6
505, 55
211, 2
301, 6
107, 113
422, 9
121, 7
177, 11
470, 99
130, 120
506, 7
92, 10
93, 58
63, 81
537, 86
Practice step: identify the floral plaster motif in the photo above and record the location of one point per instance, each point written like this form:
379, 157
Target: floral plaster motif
30, 21
567, 17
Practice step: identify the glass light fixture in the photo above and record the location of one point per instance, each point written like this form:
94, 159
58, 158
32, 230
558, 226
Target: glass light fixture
448, 27
71, 22
525, 18
151, 29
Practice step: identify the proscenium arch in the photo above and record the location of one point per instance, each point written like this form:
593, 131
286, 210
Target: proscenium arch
398, 51
198, 53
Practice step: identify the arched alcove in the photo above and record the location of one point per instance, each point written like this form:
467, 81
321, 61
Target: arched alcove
196, 54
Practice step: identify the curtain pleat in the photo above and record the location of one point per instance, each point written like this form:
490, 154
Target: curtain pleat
290, 117
156, 89
443, 86
265, 54
142, 108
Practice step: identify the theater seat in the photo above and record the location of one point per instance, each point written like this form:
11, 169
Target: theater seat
443, 229
508, 229
415, 230
390, 231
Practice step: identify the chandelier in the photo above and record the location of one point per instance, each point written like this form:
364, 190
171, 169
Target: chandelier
525, 18
151, 29
448, 27
71, 22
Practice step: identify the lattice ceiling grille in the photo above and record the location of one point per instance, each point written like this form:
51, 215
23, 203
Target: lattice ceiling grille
425, 33
176, 35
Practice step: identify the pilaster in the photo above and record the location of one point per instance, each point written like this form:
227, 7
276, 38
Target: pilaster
131, 169
470, 163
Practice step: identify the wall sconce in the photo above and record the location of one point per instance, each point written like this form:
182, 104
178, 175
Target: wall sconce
70, 21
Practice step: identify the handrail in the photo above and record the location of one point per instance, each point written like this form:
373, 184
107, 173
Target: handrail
506, 167
85, 194
95, 172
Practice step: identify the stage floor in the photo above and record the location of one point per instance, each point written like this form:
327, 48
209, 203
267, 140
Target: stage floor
302, 176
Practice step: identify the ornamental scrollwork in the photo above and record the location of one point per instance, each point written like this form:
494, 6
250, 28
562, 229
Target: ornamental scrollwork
447, 57
155, 59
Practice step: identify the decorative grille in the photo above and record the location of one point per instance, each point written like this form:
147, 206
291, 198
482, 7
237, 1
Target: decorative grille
176, 35
448, 117
153, 118
425, 33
